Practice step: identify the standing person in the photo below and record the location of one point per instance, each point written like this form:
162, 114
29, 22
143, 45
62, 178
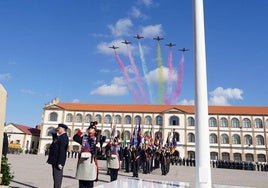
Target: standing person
5, 145
127, 156
58, 157
87, 166
53, 149
135, 162
114, 160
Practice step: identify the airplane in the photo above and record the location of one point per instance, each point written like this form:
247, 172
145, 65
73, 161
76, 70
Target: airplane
114, 47
138, 37
183, 49
170, 44
158, 38
126, 42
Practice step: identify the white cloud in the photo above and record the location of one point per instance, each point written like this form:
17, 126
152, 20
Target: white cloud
136, 13
221, 96
121, 28
5, 76
186, 102
153, 76
152, 30
147, 2
75, 101
116, 88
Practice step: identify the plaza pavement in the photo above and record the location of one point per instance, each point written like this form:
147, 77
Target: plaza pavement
32, 171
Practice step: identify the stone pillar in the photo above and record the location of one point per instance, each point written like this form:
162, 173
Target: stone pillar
3, 101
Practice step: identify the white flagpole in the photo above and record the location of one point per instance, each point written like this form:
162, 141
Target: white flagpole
202, 170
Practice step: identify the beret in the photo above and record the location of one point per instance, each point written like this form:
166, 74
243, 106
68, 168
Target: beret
93, 125
63, 126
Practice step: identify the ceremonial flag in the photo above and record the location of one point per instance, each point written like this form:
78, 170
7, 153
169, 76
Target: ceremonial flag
139, 136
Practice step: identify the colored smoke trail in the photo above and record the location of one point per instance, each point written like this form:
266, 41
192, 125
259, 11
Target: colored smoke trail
179, 78
160, 75
170, 72
145, 71
123, 69
137, 75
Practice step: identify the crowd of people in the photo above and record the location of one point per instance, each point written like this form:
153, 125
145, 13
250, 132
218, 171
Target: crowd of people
132, 158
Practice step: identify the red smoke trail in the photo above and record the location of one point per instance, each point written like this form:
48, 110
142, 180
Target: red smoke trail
179, 78
170, 72
137, 75
123, 69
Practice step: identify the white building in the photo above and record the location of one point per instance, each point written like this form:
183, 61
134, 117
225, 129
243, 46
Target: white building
23, 138
236, 132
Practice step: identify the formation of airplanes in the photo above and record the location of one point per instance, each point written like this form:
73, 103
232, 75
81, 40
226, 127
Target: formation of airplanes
155, 38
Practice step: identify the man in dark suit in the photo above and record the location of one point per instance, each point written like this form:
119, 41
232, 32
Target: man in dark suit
60, 155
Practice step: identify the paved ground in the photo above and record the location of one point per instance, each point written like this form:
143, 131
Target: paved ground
32, 171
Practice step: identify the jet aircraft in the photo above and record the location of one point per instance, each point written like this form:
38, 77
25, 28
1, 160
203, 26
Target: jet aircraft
114, 47
158, 38
170, 44
126, 42
138, 37
183, 49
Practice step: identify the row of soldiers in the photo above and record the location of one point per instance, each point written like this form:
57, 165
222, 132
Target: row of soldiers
145, 159
240, 165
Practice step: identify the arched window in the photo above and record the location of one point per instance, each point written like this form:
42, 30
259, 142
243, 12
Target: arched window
127, 119
117, 119
69, 117
53, 116
191, 154
213, 155
108, 119
213, 138
138, 120
235, 123
225, 156
127, 135
98, 118
49, 129
259, 140
246, 123
249, 157
190, 121
174, 120
191, 137
237, 157
158, 120
258, 123
236, 139
88, 118
261, 158
248, 140
212, 122
223, 122
224, 139
267, 124
148, 120
78, 118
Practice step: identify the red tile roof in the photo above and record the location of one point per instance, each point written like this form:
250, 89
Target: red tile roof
27, 130
150, 108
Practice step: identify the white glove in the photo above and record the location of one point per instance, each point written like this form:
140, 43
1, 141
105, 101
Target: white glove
60, 166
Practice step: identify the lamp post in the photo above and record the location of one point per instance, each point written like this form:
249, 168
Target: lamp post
202, 169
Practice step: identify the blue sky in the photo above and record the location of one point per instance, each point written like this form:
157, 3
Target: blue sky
61, 49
